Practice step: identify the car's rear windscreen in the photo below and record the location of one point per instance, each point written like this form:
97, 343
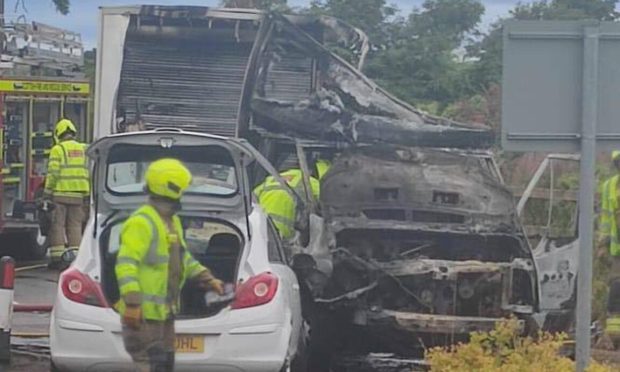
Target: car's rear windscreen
212, 168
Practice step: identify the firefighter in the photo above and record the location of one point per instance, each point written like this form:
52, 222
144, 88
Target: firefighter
67, 186
279, 204
152, 266
608, 238
322, 166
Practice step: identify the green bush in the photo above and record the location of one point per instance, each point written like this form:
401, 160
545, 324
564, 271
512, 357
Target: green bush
503, 350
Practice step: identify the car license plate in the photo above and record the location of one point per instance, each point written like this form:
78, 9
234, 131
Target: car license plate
190, 344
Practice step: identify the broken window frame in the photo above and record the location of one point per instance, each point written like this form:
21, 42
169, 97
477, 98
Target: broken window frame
530, 193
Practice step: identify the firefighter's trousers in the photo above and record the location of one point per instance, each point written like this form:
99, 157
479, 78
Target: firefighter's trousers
151, 346
612, 324
613, 305
67, 222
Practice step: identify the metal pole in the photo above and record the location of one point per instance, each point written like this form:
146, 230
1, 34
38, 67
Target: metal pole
1, 13
586, 193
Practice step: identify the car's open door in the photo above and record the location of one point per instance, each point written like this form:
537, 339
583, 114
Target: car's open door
549, 214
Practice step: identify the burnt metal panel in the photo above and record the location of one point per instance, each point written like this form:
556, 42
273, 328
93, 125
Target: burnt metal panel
440, 324
416, 185
346, 105
191, 85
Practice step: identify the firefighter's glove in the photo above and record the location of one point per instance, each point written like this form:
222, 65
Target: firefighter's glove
208, 282
132, 317
217, 286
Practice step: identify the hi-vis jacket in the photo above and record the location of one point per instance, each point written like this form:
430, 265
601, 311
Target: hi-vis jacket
143, 262
67, 170
278, 204
608, 223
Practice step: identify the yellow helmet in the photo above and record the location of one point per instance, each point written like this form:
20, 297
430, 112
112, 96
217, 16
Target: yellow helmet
168, 178
615, 155
322, 166
63, 126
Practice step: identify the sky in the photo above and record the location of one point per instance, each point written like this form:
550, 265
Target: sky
83, 14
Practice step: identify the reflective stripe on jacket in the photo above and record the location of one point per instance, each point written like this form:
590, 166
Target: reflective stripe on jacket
143, 262
279, 204
608, 222
67, 170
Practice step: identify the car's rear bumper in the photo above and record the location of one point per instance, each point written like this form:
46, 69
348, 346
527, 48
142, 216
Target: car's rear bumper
259, 349
83, 338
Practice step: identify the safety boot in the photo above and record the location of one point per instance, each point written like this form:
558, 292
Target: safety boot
55, 262
61, 258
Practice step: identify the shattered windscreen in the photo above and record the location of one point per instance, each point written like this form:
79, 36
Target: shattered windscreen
212, 168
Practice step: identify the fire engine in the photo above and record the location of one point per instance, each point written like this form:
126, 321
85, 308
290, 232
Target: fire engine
41, 81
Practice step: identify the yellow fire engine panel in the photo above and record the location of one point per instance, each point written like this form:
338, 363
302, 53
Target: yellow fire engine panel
58, 87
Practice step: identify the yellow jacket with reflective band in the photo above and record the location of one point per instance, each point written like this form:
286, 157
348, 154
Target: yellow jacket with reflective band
67, 170
608, 224
278, 204
142, 263
612, 325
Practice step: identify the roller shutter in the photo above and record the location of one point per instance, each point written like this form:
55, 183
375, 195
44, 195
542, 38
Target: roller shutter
290, 78
187, 85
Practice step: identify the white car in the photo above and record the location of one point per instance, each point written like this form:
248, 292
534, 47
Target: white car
258, 329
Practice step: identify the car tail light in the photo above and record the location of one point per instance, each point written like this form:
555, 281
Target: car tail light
258, 290
79, 287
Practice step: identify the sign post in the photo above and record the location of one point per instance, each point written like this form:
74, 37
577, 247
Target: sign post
587, 185
561, 87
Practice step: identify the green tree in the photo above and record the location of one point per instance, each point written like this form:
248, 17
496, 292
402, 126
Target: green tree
90, 62
422, 63
447, 20
375, 17
274, 5
62, 6
604, 10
